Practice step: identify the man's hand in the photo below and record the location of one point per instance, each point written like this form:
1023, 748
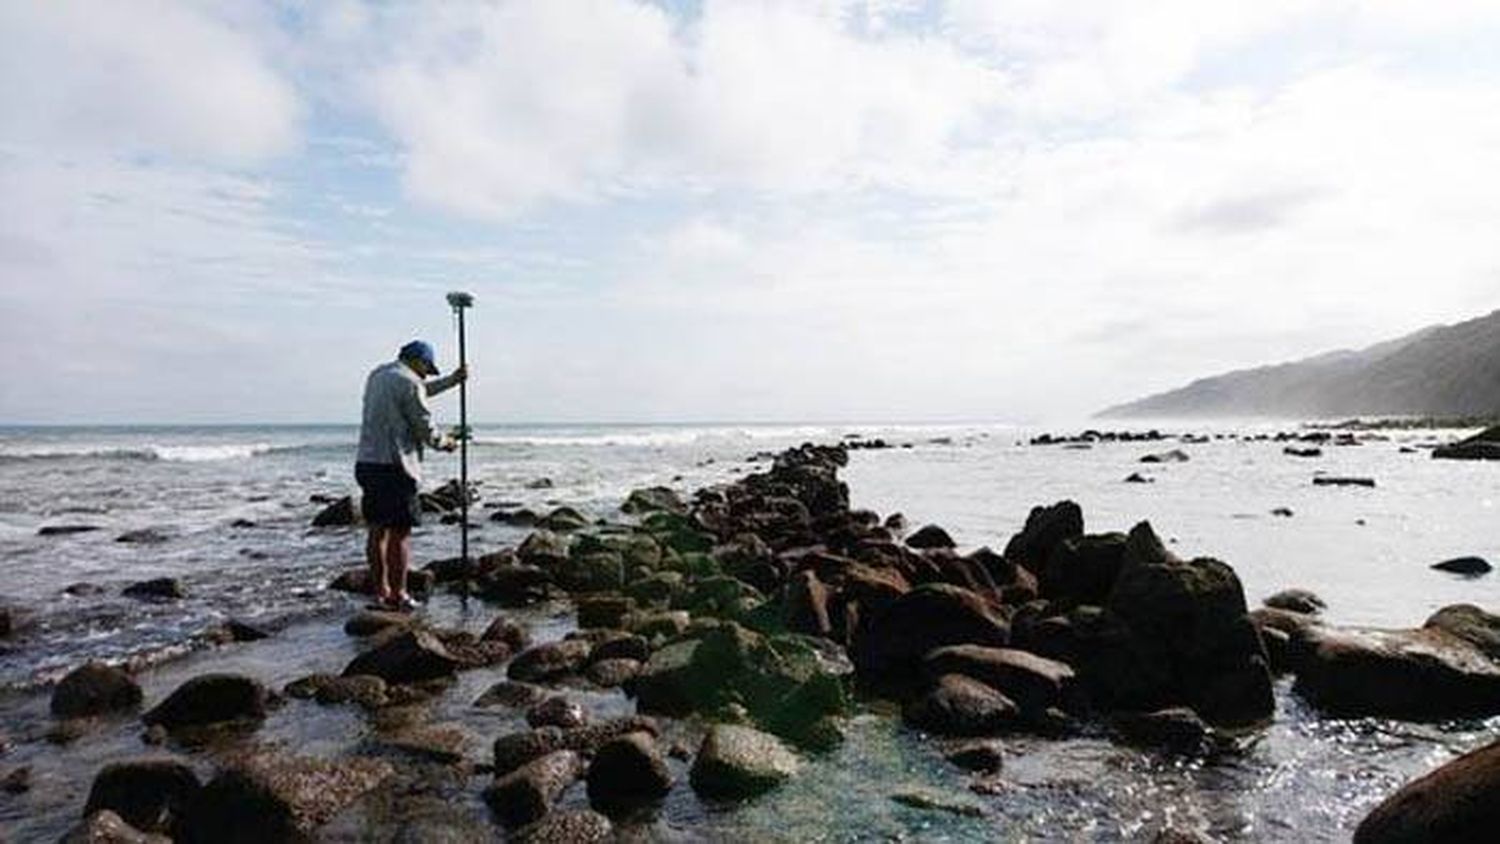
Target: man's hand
461, 374
446, 442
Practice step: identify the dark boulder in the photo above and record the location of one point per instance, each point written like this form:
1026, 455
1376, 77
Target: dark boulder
888, 655
1456, 802
982, 756
1175, 455
627, 646
930, 536
275, 796
371, 622
527, 793
66, 530
158, 589
1035, 683
1424, 674
149, 794
656, 499
544, 549
627, 772
1464, 565
961, 706
1177, 730
95, 689
603, 611
1331, 480
409, 657
1471, 624
1045, 529
211, 699
1082, 569
503, 629
549, 661
1484, 445
1296, 600
807, 605
563, 519
737, 762
357, 581
610, 673
341, 513
144, 536
556, 711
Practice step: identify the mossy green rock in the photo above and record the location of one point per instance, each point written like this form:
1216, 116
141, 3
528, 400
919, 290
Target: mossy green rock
722, 596
600, 571
678, 532
737, 762
658, 589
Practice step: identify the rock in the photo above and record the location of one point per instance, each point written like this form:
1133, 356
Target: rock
95, 689
276, 796
363, 689
556, 711
106, 827
1293, 451
930, 536
1330, 480
516, 749
511, 694
17, 781
528, 792
888, 655
544, 549
1425, 674
444, 744
149, 794
1482, 446
656, 499
505, 630
549, 661
1081, 569
985, 756
144, 536
1178, 729
658, 589
961, 706
65, 530
931, 800
563, 519
81, 589
519, 517
736, 762
211, 699
570, 827
340, 513
626, 772
657, 625
1296, 600
1464, 565
807, 600
1456, 802
1045, 529
1283, 512
1138, 478
240, 631
158, 589
539, 483
371, 622
627, 646
602, 611
514, 585
610, 673
1471, 624
1034, 683
410, 657
7, 622
1176, 455
357, 581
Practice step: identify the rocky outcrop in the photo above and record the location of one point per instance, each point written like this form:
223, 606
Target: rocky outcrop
1045, 529
1456, 802
736, 762
888, 655
1034, 683
212, 699
656, 499
95, 688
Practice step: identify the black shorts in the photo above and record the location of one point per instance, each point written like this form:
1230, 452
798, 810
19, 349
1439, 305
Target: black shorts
390, 495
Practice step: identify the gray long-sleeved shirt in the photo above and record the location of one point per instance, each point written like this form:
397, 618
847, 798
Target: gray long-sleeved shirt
396, 423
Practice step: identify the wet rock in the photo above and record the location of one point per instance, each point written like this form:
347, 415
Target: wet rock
889, 654
1034, 683
1045, 529
549, 661
1082, 569
371, 622
505, 630
985, 756
509, 693
444, 744
518, 517
621, 647
736, 762
1293, 451
410, 657
157, 589
1138, 478
1331, 480
106, 827
656, 499
544, 549
610, 673
628, 771
666, 624
516, 749
149, 794
932, 800
1175, 455
1456, 802
514, 585
362, 689
1425, 674
571, 827
240, 631
357, 581
1484, 445
657, 590
930, 536
1464, 565
275, 796
80, 590
563, 519
1178, 729
17, 781
340, 513
606, 611
95, 689
528, 792
556, 711
895, 523
1283, 512
1296, 600
807, 605
144, 536
211, 699
66, 530
961, 706
1471, 624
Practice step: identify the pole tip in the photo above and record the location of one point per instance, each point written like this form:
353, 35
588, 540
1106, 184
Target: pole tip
460, 299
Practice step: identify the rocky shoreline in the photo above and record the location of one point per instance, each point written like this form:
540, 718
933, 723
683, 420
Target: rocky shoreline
744, 626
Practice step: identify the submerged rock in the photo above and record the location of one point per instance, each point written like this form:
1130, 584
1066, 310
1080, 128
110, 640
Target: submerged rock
627, 772
1178, 729
1456, 802
985, 756
211, 699
275, 796
511, 693
95, 689
149, 794
736, 762
158, 589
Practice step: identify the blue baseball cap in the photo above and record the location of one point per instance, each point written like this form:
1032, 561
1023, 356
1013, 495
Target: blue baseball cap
420, 350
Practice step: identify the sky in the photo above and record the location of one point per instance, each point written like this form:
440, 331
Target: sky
728, 210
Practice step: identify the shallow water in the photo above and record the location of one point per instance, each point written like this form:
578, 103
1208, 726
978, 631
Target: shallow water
1304, 778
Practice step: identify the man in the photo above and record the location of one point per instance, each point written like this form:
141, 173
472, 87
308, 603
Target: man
396, 426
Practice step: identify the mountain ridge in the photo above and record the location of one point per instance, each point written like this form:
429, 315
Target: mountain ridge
1448, 370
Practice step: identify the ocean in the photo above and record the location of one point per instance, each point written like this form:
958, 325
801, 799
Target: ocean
227, 510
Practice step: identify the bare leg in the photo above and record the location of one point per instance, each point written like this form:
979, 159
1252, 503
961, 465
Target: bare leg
397, 560
375, 555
